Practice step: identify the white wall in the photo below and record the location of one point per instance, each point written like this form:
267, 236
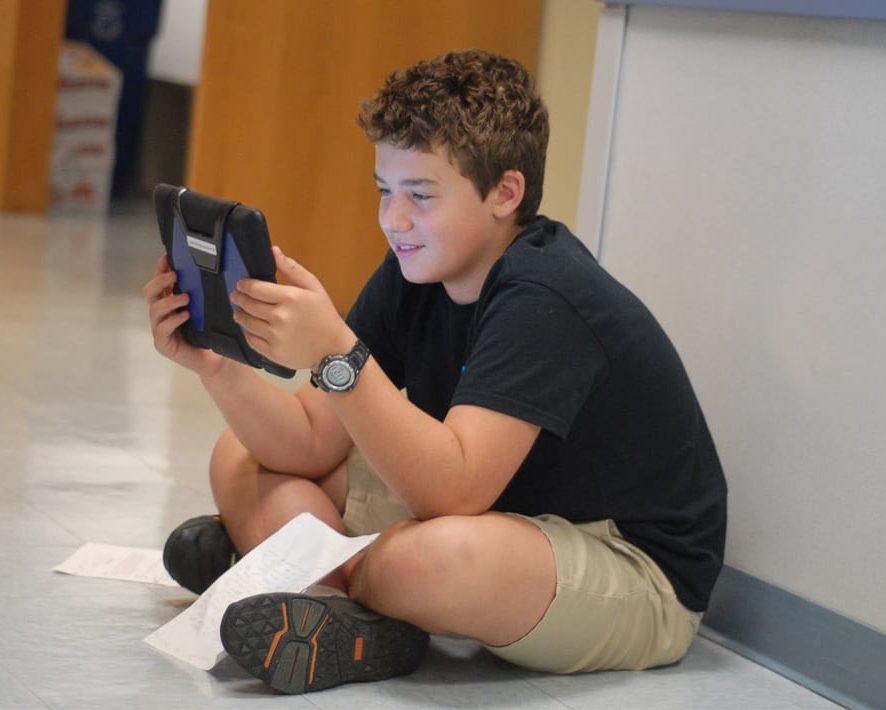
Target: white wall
745, 203
178, 46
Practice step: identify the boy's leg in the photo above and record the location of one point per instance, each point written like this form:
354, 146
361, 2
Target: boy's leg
540, 592
255, 502
491, 577
543, 593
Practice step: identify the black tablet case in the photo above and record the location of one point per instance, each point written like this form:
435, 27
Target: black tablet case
212, 244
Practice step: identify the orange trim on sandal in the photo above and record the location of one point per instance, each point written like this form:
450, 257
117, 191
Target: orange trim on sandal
304, 619
276, 640
315, 649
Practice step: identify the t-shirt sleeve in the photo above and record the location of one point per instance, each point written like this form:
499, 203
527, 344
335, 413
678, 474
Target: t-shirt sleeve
371, 318
534, 357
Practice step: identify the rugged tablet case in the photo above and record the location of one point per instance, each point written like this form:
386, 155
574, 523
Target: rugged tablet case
212, 244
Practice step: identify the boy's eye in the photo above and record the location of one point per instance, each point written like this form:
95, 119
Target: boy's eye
383, 191
420, 197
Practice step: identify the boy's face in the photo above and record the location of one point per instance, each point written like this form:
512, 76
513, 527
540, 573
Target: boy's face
435, 222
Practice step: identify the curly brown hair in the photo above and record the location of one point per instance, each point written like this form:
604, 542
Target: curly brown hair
481, 107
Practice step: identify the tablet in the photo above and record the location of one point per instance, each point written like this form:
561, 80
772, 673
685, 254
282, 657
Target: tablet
212, 244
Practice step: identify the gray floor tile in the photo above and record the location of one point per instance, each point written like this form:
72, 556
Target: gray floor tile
16, 695
456, 674
22, 525
708, 677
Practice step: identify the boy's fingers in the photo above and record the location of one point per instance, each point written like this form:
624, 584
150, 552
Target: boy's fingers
162, 265
254, 307
255, 290
295, 273
257, 343
253, 325
157, 286
162, 278
162, 307
166, 327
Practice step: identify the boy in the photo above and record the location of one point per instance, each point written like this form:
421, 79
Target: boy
548, 488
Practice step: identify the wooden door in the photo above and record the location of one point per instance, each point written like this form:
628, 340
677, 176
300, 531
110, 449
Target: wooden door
30, 39
274, 122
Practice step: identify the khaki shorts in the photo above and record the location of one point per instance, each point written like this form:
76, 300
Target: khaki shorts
613, 608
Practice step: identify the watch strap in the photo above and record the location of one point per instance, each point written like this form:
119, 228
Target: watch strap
359, 355
356, 358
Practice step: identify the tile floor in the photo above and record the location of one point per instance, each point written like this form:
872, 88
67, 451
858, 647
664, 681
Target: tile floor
102, 440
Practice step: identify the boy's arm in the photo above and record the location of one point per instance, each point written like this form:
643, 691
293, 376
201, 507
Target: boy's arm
456, 467
288, 433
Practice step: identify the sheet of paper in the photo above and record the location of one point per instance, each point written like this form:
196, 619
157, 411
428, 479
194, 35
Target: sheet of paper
132, 564
302, 552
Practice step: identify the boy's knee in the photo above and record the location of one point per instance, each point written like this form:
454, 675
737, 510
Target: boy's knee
227, 458
411, 559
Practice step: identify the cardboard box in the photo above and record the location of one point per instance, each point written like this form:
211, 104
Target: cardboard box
86, 119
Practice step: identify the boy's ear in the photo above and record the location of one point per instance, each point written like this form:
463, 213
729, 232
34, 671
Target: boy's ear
508, 193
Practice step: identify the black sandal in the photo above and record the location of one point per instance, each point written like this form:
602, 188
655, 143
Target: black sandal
198, 552
297, 643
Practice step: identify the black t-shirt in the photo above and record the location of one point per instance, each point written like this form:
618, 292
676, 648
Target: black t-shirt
556, 341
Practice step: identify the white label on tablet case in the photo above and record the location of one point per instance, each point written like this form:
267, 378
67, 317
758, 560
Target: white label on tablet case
202, 245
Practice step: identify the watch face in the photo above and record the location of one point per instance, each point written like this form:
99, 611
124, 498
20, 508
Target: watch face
338, 374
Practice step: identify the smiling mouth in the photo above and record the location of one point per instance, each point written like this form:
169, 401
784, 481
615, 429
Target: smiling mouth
407, 248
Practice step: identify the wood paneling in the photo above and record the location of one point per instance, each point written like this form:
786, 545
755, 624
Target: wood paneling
30, 39
274, 122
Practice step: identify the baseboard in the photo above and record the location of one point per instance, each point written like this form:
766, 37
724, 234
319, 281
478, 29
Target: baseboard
830, 654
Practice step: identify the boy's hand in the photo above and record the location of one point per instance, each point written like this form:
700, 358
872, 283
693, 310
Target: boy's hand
167, 311
293, 323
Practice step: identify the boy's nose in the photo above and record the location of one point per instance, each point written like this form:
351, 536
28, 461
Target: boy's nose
394, 216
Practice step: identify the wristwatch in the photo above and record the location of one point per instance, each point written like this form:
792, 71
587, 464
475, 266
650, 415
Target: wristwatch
339, 373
